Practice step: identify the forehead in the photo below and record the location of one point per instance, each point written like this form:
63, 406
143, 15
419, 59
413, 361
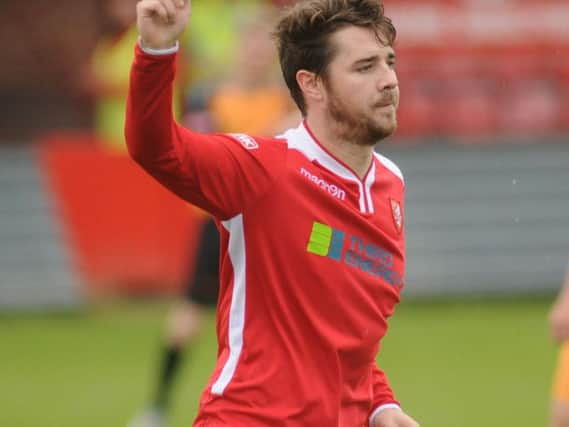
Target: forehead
354, 43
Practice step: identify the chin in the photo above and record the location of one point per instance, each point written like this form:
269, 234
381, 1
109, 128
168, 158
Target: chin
392, 127
383, 130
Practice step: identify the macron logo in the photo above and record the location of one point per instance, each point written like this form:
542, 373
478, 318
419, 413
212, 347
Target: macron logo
332, 189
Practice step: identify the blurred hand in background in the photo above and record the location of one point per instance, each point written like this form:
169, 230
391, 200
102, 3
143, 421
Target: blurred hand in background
559, 314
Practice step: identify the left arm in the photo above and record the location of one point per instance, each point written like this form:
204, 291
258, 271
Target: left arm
386, 411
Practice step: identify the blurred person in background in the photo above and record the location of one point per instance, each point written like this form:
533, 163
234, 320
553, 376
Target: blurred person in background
250, 98
183, 324
291, 355
105, 78
559, 323
219, 22
253, 98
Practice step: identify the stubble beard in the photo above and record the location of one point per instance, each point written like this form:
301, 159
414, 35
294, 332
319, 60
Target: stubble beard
360, 130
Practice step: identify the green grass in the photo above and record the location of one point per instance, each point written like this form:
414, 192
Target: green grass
452, 364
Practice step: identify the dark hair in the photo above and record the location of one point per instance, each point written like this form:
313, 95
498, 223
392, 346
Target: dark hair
303, 34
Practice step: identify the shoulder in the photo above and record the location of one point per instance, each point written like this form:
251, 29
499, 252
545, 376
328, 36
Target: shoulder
391, 166
263, 149
251, 143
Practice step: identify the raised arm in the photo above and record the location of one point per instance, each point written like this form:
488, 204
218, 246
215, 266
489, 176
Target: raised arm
162, 22
151, 132
222, 174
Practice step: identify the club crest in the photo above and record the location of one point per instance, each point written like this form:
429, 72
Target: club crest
245, 140
397, 214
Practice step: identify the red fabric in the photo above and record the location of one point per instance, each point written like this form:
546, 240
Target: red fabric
299, 321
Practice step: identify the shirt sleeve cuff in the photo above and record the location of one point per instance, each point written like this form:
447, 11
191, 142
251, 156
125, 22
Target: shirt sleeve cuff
380, 409
159, 52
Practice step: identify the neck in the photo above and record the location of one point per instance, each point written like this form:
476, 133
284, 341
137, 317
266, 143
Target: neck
357, 157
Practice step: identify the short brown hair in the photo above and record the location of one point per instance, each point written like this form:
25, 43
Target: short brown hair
303, 34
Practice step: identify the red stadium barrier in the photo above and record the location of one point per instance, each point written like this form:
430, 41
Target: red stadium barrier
480, 69
126, 232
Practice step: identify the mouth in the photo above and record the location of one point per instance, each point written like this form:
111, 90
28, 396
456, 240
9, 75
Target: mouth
384, 106
387, 100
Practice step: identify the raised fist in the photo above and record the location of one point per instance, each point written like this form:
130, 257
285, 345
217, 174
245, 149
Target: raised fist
162, 22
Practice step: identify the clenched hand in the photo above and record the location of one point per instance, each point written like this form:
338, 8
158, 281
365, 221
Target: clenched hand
162, 22
394, 418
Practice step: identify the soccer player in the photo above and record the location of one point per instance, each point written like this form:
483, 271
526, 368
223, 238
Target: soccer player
311, 222
559, 321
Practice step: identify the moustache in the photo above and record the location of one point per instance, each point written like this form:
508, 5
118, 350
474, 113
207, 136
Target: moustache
388, 98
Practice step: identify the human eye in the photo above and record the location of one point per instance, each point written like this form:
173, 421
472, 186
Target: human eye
364, 68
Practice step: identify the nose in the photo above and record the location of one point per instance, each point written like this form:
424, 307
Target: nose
388, 78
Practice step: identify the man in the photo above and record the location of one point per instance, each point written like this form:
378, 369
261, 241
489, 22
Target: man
311, 223
559, 321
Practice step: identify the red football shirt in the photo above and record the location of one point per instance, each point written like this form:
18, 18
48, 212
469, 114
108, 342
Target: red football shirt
312, 262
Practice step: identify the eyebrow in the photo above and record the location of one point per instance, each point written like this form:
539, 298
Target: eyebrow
372, 58
390, 57
368, 60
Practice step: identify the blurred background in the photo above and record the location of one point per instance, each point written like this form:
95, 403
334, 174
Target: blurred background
93, 252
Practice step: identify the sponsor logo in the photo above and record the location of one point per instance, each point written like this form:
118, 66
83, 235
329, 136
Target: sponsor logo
353, 251
397, 214
332, 189
245, 140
